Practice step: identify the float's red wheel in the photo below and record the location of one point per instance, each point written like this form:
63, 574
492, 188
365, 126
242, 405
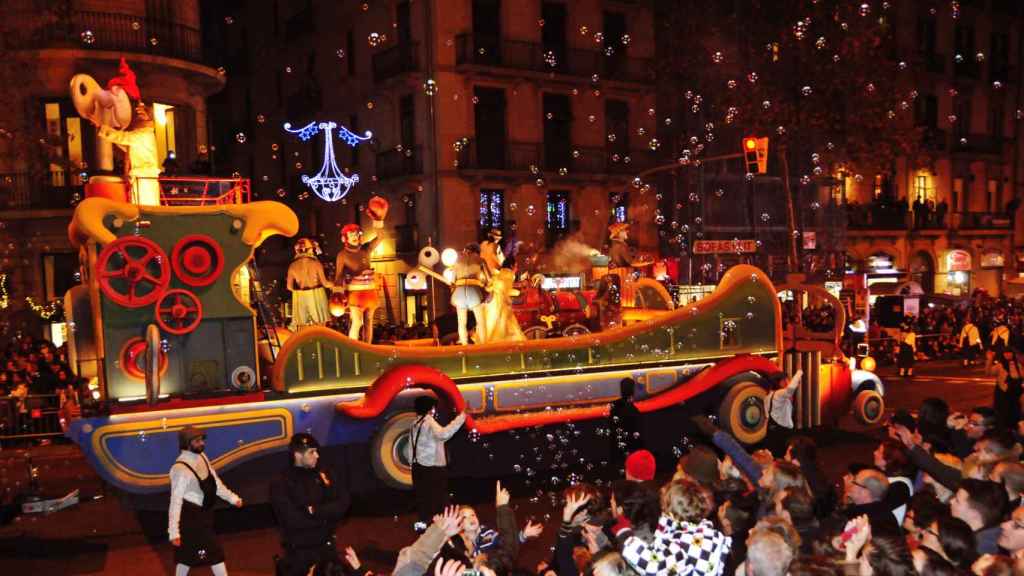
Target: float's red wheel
197, 260
133, 271
131, 357
179, 312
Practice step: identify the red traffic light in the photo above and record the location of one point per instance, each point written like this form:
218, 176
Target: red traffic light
750, 143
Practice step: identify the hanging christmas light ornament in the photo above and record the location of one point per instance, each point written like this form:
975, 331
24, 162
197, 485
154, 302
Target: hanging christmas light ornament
330, 184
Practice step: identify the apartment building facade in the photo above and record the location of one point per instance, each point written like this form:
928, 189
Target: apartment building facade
162, 41
532, 117
949, 219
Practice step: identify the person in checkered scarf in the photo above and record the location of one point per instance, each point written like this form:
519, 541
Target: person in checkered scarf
686, 541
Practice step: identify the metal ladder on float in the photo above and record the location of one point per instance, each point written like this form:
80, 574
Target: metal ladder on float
266, 318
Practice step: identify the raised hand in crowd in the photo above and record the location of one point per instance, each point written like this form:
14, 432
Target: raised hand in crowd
532, 530
450, 521
501, 496
448, 568
573, 503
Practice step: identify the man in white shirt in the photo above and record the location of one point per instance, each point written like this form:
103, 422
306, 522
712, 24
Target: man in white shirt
429, 461
195, 487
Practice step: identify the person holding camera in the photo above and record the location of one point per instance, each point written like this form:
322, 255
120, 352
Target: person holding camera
430, 460
309, 501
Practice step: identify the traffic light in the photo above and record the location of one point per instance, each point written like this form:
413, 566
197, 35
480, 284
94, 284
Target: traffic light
755, 154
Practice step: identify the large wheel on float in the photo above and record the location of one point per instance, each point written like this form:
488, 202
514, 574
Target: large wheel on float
743, 412
575, 330
650, 294
869, 407
536, 333
391, 451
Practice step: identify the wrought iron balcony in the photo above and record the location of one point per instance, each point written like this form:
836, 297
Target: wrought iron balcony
977, 144
984, 221
120, 33
24, 191
512, 156
397, 60
486, 51
399, 163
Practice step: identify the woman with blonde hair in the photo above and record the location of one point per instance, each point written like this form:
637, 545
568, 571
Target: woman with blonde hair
686, 542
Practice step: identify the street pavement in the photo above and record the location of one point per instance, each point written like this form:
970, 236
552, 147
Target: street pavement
99, 536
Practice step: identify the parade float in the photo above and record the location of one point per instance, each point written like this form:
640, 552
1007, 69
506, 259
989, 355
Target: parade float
166, 328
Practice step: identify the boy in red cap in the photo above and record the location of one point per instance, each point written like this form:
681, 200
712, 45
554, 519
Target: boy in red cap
640, 466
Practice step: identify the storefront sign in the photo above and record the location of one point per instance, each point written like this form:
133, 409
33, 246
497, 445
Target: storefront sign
958, 261
992, 259
881, 263
724, 247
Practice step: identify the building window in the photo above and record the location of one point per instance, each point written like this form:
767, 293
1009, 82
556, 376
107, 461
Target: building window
993, 196
923, 187
995, 119
492, 210
962, 127
839, 188
881, 187
619, 203
616, 118
557, 220
350, 52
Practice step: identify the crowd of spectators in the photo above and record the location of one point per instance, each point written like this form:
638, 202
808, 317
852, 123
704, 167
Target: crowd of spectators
887, 213
35, 374
940, 496
940, 327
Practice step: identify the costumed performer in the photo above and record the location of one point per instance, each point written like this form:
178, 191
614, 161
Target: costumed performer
468, 292
490, 251
137, 140
306, 281
353, 274
195, 488
500, 323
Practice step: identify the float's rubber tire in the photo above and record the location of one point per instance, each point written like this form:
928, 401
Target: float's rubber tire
743, 412
575, 330
869, 407
389, 451
536, 333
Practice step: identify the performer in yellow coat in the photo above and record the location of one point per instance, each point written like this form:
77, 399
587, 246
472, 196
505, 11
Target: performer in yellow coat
306, 281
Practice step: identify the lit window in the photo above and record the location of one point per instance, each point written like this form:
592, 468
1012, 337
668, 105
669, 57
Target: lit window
558, 212
492, 209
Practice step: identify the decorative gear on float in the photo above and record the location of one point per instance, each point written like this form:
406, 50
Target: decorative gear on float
136, 262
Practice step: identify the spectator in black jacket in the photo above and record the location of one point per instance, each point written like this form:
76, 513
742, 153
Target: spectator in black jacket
308, 502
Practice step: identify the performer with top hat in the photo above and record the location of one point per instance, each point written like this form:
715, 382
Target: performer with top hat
620, 254
306, 281
195, 488
353, 274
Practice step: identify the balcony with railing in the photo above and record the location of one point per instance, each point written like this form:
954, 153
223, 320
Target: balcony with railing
983, 221
933, 62
395, 61
24, 191
966, 67
399, 163
977, 144
120, 33
484, 51
933, 138
511, 156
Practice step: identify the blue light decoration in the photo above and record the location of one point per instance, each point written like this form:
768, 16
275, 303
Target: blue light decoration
330, 184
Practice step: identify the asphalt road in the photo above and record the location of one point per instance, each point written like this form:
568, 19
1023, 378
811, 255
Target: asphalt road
99, 536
